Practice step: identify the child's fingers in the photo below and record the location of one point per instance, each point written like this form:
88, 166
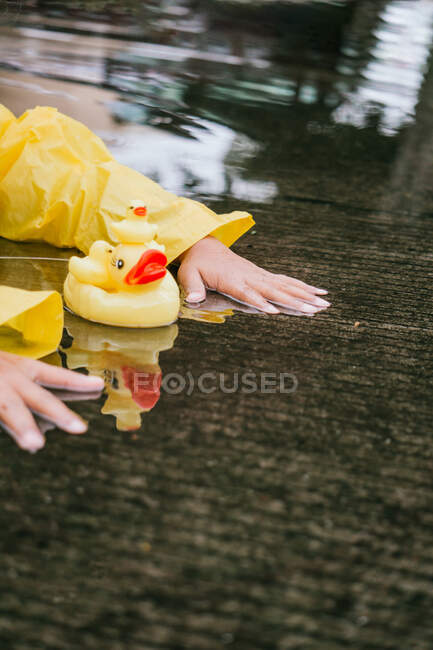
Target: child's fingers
45, 404
247, 294
18, 420
285, 279
285, 293
55, 377
192, 283
286, 300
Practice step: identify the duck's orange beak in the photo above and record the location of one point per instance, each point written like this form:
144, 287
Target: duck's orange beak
150, 267
141, 211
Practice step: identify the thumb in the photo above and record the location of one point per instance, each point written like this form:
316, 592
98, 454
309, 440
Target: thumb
192, 283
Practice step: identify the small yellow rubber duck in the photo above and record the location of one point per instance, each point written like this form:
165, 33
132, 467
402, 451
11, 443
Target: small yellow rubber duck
127, 285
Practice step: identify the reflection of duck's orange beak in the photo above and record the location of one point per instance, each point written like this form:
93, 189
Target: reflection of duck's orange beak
150, 267
145, 387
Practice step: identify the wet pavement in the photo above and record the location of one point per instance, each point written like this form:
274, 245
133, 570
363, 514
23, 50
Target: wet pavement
296, 514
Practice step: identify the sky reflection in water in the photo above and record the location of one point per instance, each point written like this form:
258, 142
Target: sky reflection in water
168, 84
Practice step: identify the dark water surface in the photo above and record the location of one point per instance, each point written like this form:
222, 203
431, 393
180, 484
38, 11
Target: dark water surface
262, 519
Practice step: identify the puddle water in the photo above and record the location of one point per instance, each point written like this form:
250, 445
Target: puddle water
206, 95
127, 359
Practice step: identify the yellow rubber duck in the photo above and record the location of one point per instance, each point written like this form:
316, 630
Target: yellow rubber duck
127, 285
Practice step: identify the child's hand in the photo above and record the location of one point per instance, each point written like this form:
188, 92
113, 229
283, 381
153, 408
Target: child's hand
211, 264
20, 391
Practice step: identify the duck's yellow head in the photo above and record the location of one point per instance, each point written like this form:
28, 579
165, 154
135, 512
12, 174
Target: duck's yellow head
119, 268
131, 266
137, 210
135, 229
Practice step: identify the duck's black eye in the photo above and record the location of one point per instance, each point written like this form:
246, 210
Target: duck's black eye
120, 264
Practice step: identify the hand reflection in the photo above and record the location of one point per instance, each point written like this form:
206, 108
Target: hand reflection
217, 306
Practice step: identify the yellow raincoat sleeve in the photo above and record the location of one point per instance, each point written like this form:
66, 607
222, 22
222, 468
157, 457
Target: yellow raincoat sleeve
31, 322
60, 184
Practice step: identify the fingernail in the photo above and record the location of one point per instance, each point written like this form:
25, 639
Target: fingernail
75, 426
195, 296
310, 309
31, 441
321, 291
321, 303
272, 310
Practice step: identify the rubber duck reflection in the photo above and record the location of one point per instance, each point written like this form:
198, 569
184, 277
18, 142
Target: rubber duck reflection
128, 361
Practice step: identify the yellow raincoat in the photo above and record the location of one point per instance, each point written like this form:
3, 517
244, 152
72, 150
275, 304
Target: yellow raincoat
31, 322
60, 184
